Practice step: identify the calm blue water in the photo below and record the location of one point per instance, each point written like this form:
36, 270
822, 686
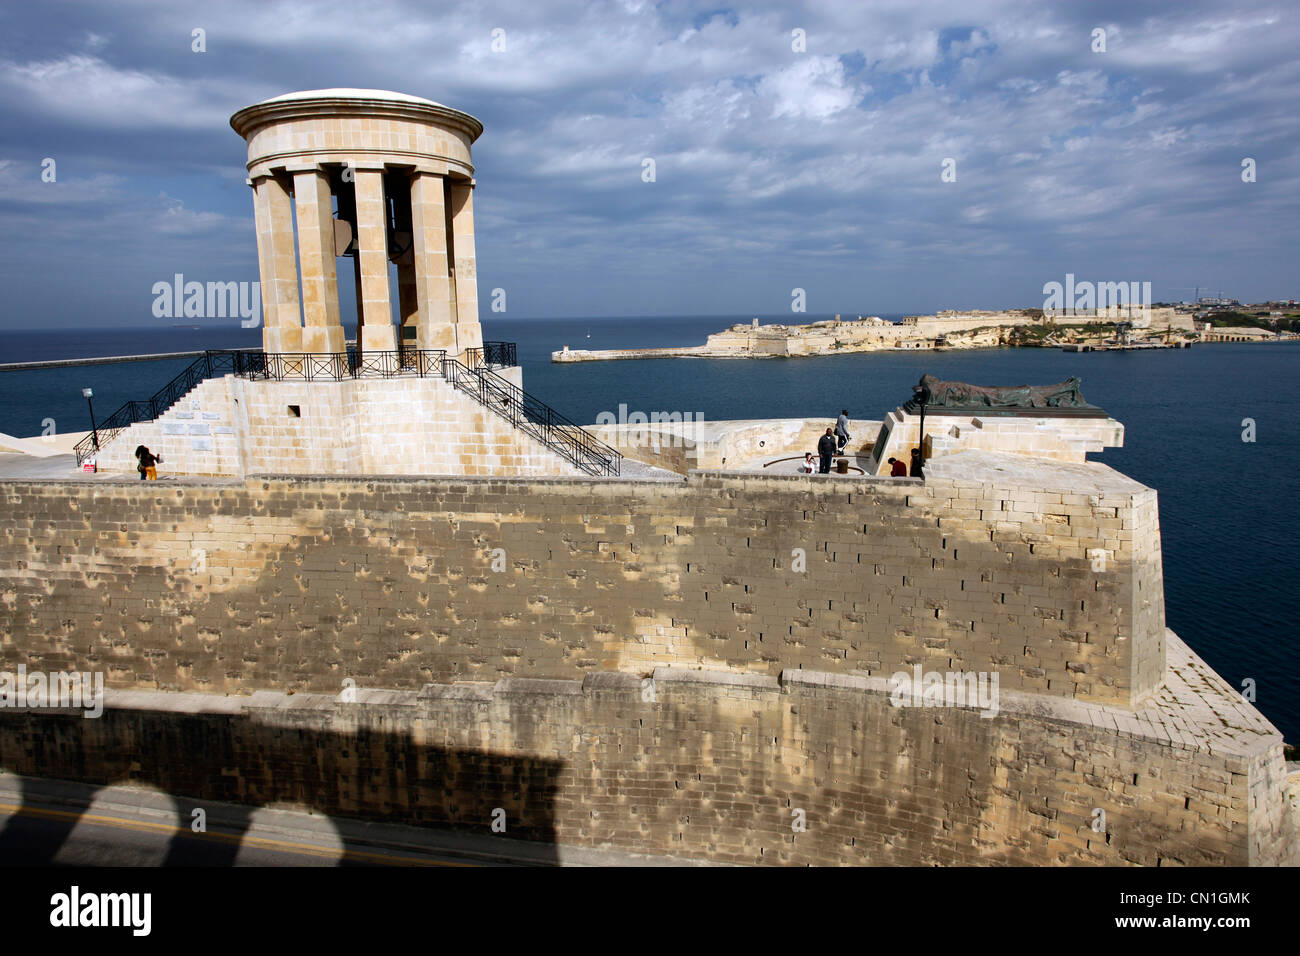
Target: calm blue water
1227, 508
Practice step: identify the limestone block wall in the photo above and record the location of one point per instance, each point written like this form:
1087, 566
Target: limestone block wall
818, 342
398, 426
298, 583
1058, 439
1147, 585
772, 341
715, 765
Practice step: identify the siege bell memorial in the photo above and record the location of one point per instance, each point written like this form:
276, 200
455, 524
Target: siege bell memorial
382, 182
400, 170
499, 585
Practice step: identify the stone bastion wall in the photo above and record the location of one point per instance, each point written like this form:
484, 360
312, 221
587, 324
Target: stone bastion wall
804, 768
1050, 577
639, 665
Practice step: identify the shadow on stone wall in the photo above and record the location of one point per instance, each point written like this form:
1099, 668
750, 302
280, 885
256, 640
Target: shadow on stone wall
236, 759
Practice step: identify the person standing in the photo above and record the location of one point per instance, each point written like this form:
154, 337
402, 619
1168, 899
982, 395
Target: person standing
147, 463
826, 449
842, 429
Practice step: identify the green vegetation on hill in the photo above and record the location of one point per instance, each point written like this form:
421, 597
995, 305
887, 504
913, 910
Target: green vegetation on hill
1029, 335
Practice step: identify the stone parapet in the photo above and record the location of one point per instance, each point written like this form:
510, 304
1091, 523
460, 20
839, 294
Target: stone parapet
1057, 438
818, 769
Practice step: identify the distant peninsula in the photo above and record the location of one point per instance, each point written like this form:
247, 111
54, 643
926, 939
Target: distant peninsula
1155, 327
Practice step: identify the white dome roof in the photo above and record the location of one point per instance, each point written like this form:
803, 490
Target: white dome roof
347, 93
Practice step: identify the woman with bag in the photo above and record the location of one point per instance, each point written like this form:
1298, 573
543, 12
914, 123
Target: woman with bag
148, 463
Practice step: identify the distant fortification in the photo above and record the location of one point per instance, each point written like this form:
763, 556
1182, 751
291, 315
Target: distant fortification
953, 330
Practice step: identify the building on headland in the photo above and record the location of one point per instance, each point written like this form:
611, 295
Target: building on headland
1239, 333
341, 605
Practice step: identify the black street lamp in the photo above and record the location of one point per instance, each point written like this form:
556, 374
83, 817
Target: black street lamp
922, 395
93, 427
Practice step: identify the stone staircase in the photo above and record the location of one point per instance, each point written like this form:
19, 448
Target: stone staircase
478, 381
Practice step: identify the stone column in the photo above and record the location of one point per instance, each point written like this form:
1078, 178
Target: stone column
469, 334
429, 229
376, 319
322, 331
281, 315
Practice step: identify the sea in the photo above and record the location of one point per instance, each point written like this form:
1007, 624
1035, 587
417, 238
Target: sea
1228, 507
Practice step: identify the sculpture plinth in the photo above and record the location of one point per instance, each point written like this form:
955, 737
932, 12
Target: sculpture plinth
1064, 399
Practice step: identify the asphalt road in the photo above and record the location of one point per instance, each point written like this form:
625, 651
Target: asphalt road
59, 823
62, 823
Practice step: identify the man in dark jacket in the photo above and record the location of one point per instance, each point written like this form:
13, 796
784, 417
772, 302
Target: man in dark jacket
826, 448
918, 464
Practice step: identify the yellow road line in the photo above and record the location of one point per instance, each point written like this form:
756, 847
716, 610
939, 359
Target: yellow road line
124, 823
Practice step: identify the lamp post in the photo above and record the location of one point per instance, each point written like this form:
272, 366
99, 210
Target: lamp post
94, 429
922, 394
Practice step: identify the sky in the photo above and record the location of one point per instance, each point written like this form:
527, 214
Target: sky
795, 146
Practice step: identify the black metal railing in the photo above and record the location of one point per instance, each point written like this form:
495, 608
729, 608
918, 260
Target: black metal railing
352, 363
492, 355
500, 354
474, 378
530, 414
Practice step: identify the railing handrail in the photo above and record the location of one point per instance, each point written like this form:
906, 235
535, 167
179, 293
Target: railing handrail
527, 412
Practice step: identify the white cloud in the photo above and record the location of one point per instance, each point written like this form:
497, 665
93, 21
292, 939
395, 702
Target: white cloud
829, 156
173, 219
89, 91
813, 87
